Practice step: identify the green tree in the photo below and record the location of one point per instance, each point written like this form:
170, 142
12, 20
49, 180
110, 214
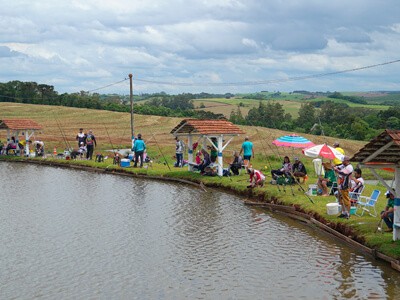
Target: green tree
306, 119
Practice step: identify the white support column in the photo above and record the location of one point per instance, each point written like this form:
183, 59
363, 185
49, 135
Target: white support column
396, 218
26, 143
27, 138
190, 152
220, 160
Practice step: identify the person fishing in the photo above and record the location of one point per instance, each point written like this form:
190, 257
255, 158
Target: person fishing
81, 137
139, 147
257, 179
344, 171
90, 142
236, 164
179, 148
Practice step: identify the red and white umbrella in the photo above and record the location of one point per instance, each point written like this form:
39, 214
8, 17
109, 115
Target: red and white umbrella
323, 150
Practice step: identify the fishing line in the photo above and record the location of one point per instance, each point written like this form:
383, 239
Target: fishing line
159, 149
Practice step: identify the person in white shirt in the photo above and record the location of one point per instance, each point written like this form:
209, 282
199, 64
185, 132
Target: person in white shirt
344, 172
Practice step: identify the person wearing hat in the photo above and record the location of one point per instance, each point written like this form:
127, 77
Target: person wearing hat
337, 161
299, 170
344, 172
82, 149
328, 180
387, 215
256, 178
139, 147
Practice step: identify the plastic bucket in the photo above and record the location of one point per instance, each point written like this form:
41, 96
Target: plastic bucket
332, 208
125, 162
353, 210
312, 190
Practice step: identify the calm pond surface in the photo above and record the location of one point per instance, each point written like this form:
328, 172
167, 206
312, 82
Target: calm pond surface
69, 234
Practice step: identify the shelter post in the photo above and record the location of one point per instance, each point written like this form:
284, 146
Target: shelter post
190, 152
396, 218
220, 160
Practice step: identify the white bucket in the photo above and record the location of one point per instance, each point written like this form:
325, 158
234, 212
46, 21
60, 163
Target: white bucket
332, 208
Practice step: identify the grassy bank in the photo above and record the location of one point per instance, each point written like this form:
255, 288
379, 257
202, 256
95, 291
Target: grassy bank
112, 130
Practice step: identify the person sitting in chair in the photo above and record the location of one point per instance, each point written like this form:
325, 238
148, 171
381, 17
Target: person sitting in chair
285, 170
299, 170
206, 161
12, 145
236, 164
327, 181
357, 184
39, 148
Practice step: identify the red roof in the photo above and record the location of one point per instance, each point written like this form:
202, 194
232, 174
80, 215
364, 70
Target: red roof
19, 124
206, 127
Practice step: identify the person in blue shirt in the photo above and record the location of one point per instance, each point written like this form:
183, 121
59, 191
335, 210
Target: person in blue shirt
247, 149
139, 147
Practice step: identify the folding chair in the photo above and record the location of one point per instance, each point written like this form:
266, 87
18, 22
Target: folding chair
334, 188
368, 203
354, 196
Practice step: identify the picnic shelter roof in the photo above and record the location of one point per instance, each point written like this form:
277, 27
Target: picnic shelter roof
19, 124
206, 127
385, 149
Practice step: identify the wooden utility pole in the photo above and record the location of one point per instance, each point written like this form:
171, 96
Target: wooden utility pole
131, 99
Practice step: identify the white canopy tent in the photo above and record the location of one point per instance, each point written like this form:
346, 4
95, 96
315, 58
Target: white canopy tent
201, 131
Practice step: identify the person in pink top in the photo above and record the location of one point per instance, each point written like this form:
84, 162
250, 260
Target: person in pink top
198, 158
256, 178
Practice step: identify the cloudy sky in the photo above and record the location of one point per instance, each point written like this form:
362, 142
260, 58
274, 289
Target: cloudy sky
201, 45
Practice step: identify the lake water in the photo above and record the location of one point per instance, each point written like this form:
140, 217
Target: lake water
68, 234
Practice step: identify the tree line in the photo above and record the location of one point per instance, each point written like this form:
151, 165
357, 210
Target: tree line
320, 118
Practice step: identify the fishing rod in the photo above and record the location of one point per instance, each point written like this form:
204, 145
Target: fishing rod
112, 146
165, 160
266, 155
379, 227
69, 148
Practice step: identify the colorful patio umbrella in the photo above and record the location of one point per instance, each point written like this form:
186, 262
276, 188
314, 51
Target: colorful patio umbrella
323, 150
293, 140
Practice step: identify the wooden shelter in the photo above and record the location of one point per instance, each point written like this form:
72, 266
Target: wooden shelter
204, 130
15, 126
383, 152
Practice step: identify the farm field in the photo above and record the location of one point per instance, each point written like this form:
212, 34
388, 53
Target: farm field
291, 105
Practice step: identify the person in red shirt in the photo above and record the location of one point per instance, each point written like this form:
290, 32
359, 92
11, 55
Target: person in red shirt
256, 178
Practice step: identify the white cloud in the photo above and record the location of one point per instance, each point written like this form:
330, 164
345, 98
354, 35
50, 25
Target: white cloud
86, 44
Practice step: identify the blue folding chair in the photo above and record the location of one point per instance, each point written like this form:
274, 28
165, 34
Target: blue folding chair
367, 204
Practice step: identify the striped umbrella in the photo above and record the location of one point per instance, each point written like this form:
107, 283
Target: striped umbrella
294, 141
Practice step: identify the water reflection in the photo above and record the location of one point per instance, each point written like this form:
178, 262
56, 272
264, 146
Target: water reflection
74, 234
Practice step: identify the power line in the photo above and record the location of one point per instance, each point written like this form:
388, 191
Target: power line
247, 83
108, 85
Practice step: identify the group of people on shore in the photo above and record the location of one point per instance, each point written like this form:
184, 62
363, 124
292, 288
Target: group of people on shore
86, 143
14, 146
